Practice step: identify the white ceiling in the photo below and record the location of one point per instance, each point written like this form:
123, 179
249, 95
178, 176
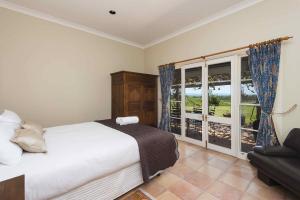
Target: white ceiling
138, 22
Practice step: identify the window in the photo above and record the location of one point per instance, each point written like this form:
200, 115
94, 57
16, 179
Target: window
249, 109
175, 103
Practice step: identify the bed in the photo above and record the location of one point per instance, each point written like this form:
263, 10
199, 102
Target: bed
84, 161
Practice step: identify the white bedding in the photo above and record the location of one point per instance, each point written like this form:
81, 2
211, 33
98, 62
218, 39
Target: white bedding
77, 154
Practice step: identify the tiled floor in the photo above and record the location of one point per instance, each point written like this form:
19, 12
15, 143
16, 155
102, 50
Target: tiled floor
208, 175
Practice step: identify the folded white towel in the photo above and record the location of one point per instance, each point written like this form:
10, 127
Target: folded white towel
127, 120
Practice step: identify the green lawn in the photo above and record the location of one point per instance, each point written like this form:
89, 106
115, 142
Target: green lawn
249, 112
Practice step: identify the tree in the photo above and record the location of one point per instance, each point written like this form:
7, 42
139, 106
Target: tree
214, 100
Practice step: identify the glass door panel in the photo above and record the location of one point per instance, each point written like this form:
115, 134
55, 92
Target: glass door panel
219, 90
175, 103
250, 116
193, 129
193, 90
219, 101
219, 134
249, 109
193, 107
175, 125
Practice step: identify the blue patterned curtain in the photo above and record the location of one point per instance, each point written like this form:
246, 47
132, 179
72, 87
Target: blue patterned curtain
166, 77
264, 67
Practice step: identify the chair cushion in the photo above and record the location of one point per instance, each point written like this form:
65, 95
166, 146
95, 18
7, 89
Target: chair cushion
293, 140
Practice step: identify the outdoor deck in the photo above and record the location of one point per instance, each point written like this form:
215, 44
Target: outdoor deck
218, 134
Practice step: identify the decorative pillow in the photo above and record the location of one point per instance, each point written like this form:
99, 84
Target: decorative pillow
30, 141
10, 117
33, 126
10, 153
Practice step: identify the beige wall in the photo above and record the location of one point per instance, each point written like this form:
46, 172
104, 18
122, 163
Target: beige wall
57, 75
266, 20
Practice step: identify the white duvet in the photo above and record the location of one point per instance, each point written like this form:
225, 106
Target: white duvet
77, 154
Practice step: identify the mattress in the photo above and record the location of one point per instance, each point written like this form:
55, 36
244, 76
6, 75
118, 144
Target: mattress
77, 154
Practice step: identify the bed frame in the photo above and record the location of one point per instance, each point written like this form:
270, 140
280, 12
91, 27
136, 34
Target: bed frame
13, 189
109, 187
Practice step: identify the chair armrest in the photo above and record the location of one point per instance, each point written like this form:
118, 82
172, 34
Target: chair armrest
279, 151
293, 140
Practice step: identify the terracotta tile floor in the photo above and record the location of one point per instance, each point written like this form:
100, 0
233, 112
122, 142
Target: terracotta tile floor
208, 175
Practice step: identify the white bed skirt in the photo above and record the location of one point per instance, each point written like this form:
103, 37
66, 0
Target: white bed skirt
109, 187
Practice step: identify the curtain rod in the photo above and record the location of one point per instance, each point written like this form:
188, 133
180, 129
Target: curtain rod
231, 50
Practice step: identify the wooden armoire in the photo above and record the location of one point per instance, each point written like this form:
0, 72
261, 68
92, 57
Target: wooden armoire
134, 94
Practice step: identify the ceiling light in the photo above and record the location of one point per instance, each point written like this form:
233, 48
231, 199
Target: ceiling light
112, 12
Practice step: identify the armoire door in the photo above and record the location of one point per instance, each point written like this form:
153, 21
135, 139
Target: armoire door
134, 100
149, 105
135, 94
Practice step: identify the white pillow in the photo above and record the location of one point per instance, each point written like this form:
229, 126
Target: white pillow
10, 117
10, 153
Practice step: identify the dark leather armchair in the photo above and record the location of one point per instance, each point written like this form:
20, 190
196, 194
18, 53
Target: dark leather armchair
279, 165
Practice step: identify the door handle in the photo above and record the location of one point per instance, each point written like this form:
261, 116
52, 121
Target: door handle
204, 118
